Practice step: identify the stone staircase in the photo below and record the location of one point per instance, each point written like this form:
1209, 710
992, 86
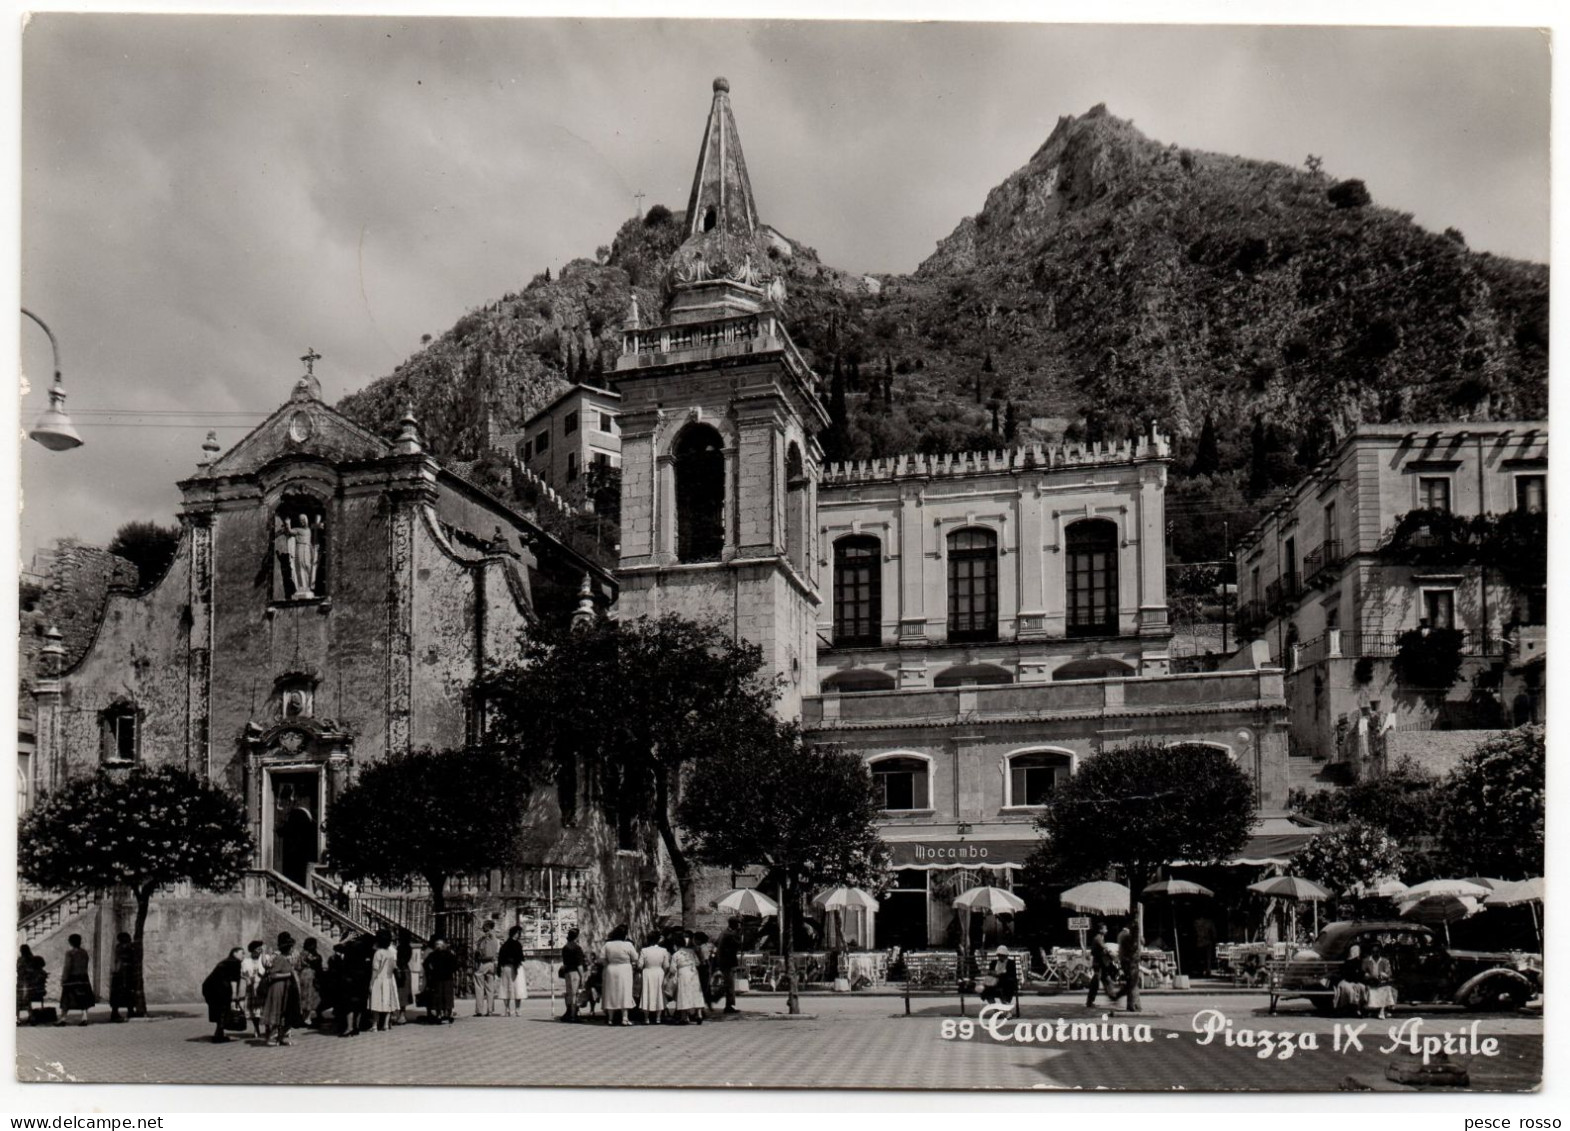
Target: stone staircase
394, 912
327, 921
49, 918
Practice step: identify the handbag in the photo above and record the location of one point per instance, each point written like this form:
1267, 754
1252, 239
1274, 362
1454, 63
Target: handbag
670, 985
235, 1021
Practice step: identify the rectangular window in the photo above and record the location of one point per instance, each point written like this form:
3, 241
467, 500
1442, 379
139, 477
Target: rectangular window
542, 443
1032, 785
1531, 493
901, 782
1092, 580
120, 737
857, 612
572, 466
1433, 493
607, 423
1439, 607
599, 459
1536, 605
973, 585
570, 425
1330, 522
528, 450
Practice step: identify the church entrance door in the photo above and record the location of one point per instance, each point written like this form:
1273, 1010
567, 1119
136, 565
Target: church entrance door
296, 828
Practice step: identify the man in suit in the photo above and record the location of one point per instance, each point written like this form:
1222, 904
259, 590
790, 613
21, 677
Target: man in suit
730, 958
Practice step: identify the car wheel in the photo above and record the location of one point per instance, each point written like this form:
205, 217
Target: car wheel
1497, 993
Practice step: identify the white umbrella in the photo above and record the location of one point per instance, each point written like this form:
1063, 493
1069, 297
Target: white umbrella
1513, 893
1100, 897
841, 898
1386, 889
1294, 888
749, 901
994, 901
1447, 887
1176, 888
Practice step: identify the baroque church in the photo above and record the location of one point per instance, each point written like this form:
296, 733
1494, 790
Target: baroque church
972, 625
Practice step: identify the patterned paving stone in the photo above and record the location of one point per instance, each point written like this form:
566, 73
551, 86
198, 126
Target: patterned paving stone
863, 1042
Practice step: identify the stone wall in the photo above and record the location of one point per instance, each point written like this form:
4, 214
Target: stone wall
66, 589
1437, 751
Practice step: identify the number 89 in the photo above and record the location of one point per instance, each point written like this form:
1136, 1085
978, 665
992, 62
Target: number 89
964, 1030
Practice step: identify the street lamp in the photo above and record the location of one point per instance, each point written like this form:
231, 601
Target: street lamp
54, 429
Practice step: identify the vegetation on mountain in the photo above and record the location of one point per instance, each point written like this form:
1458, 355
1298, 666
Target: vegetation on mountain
1111, 282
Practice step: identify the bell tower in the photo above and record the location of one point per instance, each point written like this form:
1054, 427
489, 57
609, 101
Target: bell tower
720, 414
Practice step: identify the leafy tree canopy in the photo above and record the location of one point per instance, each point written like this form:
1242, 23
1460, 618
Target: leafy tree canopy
142, 828
1342, 859
148, 546
631, 703
429, 813
1404, 803
1491, 822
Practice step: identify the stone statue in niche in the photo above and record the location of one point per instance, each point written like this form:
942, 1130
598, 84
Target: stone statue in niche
297, 551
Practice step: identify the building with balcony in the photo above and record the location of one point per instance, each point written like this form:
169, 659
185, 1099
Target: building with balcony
1406, 529
568, 440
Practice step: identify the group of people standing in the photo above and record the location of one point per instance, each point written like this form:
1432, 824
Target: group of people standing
1106, 960
365, 984
77, 994
669, 979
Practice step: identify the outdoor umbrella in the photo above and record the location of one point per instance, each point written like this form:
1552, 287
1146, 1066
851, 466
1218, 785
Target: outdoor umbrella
1385, 889
1176, 888
994, 901
842, 899
747, 901
1294, 888
1513, 893
1439, 908
1467, 888
1101, 897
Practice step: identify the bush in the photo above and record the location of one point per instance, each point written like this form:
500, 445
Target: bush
1429, 660
656, 216
1348, 194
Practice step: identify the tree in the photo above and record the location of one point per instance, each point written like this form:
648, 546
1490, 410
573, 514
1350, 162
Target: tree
1207, 453
468, 802
147, 546
1137, 808
835, 437
1349, 857
1010, 423
1351, 193
143, 829
808, 813
1403, 802
1491, 815
632, 704
1428, 659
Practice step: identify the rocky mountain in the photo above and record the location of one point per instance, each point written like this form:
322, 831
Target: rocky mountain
1110, 281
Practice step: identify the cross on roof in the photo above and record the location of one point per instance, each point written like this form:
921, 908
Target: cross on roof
638, 196
311, 358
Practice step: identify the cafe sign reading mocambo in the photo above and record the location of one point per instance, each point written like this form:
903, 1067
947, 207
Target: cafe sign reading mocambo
935, 853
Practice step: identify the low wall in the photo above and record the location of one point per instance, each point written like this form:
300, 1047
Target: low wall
1437, 751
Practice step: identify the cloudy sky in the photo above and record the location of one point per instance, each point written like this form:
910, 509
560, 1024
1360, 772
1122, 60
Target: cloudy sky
203, 198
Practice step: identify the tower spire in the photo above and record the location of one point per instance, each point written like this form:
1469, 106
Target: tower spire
721, 199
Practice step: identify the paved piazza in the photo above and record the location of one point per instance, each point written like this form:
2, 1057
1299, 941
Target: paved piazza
846, 1042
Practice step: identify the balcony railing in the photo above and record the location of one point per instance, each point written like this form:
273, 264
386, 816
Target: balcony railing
1283, 591
1251, 618
1389, 643
1322, 562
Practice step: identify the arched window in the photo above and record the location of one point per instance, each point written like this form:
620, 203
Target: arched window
1221, 746
795, 509
120, 733
1093, 578
299, 550
858, 590
973, 584
1033, 775
972, 675
1095, 667
700, 494
902, 782
859, 679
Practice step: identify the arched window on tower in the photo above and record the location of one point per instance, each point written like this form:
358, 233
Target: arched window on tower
795, 509
858, 590
700, 494
1092, 578
973, 584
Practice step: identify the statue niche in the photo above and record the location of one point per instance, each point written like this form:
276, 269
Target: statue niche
299, 543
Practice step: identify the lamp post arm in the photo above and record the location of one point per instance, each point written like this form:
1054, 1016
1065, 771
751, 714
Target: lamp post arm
53, 345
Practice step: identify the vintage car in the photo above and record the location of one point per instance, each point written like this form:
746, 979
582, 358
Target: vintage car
1425, 970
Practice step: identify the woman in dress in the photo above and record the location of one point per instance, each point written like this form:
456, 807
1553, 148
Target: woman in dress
441, 967
509, 966
384, 979
122, 977
280, 993
651, 994
252, 967
1378, 977
76, 985
404, 975
689, 982
221, 991
310, 974
617, 958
